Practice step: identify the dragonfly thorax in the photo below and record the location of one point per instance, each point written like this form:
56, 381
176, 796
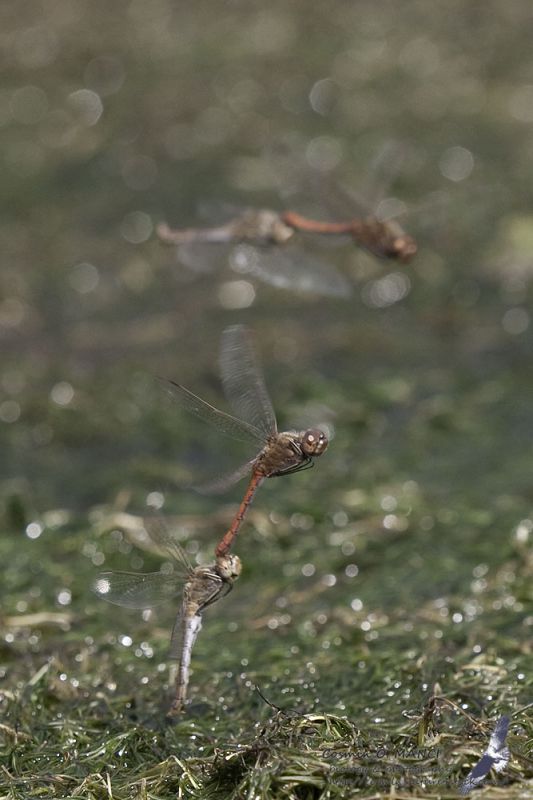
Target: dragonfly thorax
263, 226
290, 451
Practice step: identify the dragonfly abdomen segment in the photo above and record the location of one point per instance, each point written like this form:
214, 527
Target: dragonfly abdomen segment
206, 586
301, 223
224, 546
385, 239
191, 622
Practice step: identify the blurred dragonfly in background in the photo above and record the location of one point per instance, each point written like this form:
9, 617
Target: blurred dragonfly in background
269, 245
264, 247
281, 453
199, 588
257, 244
383, 238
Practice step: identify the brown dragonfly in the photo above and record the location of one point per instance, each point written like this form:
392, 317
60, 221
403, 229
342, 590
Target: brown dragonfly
257, 244
265, 250
199, 588
383, 238
280, 453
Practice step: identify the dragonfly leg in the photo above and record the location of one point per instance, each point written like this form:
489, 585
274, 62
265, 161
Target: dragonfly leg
307, 464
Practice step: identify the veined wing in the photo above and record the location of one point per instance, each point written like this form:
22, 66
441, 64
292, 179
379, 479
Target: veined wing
202, 257
243, 382
136, 589
383, 170
290, 268
225, 482
225, 423
161, 536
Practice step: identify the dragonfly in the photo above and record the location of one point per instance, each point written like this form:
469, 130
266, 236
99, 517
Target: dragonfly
372, 226
267, 244
264, 247
383, 238
277, 453
199, 588
258, 244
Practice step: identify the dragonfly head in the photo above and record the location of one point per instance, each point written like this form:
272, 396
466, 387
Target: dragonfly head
394, 242
404, 248
314, 442
229, 567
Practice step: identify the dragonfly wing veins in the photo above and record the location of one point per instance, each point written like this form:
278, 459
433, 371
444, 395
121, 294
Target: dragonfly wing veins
243, 381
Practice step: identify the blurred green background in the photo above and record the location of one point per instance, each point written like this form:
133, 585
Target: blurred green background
403, 559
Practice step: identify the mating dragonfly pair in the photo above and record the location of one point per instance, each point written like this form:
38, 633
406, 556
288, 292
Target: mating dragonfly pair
265, 250
280, 453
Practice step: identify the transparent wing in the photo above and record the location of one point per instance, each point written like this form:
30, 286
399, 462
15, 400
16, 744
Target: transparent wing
225, 482
290, 268
213, 212
243, 382
137, 590
225, 423
162, 537
384, 169
202, 257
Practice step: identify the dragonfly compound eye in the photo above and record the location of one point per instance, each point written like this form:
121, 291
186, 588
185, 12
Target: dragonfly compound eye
314, 442
235, 566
